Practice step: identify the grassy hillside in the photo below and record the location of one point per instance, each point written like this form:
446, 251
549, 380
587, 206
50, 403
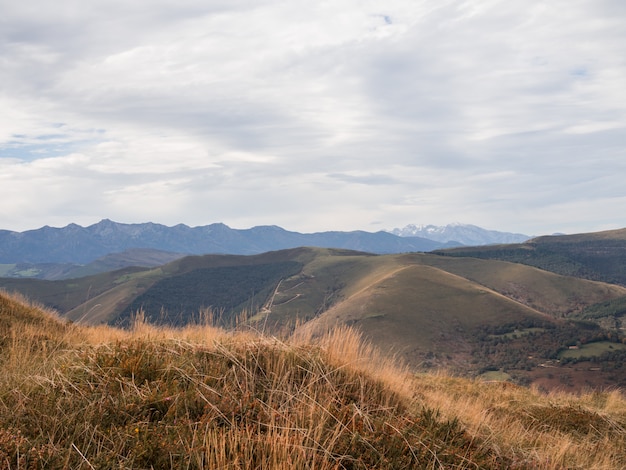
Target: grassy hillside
599, 256
418, 308
470, 315
433, 318
65, 295
200, 397
554, 294
298, 283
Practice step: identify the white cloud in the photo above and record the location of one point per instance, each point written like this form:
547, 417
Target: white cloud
313, 116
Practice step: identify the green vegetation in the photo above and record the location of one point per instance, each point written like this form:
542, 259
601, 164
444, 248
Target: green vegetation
517, 333
494, 376
226, 289
503, 348
17, 270
598, 256
6, 269
608, 308
592, 350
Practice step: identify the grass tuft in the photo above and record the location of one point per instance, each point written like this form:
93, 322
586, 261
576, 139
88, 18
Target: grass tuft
201, 397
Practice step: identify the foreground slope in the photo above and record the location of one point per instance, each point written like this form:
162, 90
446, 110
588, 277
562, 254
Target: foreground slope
203, 398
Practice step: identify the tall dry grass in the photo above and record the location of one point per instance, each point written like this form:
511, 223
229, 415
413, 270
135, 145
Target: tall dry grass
201, 397
537, 430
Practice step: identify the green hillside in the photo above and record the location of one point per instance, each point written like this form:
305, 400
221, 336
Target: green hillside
299, 283
554, 294
64, 295
598, 256
419, 308
227, 289
465, 314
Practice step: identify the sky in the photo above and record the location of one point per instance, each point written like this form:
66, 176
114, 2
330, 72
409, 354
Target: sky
314, 116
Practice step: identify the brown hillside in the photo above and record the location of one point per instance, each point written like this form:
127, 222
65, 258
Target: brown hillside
550, 293
416, 311
19, 318
204, 398
618, 234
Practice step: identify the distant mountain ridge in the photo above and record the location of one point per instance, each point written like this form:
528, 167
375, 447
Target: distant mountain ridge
81, 245
465, 234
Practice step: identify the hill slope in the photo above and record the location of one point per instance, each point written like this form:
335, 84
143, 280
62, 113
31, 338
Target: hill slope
467, 314
599, 256
134, 257
299, 283
203, 398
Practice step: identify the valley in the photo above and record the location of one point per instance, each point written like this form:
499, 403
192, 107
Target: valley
470, 315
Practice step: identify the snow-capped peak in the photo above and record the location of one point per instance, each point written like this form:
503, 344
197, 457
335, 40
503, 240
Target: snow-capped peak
465, 234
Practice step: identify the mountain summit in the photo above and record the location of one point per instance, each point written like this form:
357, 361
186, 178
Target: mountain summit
80, 245
465, 234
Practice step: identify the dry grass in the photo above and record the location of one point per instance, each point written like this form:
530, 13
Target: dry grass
553, 431
201, 397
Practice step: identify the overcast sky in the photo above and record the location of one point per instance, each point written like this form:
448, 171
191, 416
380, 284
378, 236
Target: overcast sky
314, 115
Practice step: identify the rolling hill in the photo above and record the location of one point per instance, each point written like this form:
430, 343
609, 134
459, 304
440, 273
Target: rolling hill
465, 314
599, 256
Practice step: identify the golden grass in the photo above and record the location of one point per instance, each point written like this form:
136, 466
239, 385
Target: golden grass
553, 431
200, 397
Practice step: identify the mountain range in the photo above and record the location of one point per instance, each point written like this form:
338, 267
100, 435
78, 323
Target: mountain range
75, 251
76, 244
462, 234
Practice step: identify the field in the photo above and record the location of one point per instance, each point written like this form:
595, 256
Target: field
595, 349
199, 397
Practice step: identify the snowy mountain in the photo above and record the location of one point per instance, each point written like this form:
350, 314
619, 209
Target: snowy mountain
466, 234
81, 245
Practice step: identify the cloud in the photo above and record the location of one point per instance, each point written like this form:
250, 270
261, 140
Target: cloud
313, 116
369, 179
